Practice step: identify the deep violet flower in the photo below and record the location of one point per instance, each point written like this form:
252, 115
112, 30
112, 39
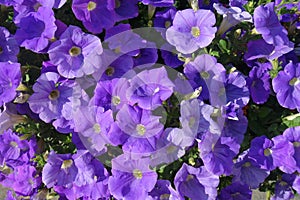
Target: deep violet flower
9, 117
259, 84
196, 183
23, 180
37, 38
283, 187
192, 30
150, 88
217, 157
293, 136
266, 23
60, 170
158, 3
9, 48
76, 53
247, 171
234, 191
142, 127
124, 9
163, 190
261, 152
10, 77
202, 72
95, 15
53, 97
287, 86
131, 179
231, 17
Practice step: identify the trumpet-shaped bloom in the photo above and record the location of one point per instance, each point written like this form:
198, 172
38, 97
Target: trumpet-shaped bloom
76, 53
192, 30
94, 14
37, 38
287, 86
10, 77
131, 179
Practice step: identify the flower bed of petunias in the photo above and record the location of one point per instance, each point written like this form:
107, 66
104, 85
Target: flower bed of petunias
149, 99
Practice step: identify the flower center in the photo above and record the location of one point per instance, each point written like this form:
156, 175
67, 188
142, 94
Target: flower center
294, 81
74, 51
66, 164
109, 71
165, 196
247, 164
205, 75
97, 128
283, 183
54, 94
37, 6
1, 50
195, 31
116, 100
189, 177
140, 128
267, 152
13, 144
91, 6
137, 174
117, 4
167, 24
296, 144
171, 149
192, 121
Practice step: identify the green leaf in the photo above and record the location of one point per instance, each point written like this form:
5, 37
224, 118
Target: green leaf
292, 120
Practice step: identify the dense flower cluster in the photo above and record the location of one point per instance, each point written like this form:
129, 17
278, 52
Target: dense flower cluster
149, 99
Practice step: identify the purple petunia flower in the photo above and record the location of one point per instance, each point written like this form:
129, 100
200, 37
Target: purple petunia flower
23, 180
164, 19
150, 88
158, 3
238, 3
236, 89
115, 66
10, 77
234, 191
131, 179
38, 38
196, 183
95, 15
92, 130
163, 190
282, 153
217, 157
60, 170
261, 152
283, 187
260, 49
110, 94
286, 86
76, 53
192, 30
54, 97
9, 48
266, 23
142, 127
202, 72
247, 171
259, 84
293, 136
9, 117
14, 151
91, 181
124, 9
170, 56
231, 17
